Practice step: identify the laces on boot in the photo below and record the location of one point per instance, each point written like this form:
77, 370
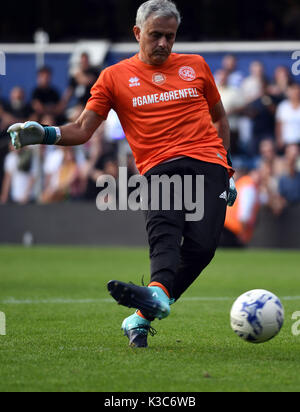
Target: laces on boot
142, 282
152, 331
147, 329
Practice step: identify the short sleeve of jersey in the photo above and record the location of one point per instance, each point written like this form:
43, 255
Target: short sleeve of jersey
211, 92
101, 101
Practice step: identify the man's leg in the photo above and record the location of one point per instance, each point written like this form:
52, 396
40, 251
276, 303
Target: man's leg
165, 230
201, 238
230, 240
176, 264
165, 227
191, 266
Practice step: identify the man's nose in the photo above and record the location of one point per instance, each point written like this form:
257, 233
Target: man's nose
163, 42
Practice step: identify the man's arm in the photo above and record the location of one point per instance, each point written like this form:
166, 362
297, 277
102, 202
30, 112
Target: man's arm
221, 123
81, 131
73, 134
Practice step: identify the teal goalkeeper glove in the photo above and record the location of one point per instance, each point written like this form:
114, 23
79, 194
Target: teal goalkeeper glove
232, 195
32, 133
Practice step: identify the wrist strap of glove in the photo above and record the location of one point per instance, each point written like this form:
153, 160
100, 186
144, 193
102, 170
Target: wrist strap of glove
52, 135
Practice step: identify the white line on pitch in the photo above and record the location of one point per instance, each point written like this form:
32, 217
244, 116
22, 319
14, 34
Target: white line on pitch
55, 301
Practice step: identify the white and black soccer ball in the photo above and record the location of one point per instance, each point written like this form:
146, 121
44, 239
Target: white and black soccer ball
257, 316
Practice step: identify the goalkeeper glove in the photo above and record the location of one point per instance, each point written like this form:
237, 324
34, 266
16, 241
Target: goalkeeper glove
232, 195
31, 133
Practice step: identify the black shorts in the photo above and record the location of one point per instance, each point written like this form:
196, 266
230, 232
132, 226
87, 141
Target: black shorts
180, 247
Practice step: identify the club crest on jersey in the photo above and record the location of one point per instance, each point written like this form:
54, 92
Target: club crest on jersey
134, 82
187, 73
159, 78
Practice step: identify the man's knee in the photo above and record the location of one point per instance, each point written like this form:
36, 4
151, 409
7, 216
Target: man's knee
199, 255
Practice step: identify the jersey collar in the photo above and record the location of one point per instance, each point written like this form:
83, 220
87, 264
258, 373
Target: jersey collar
165, 65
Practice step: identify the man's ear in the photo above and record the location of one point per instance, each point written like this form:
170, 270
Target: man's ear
137, 33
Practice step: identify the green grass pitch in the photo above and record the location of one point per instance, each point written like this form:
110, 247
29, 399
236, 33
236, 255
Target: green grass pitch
63, 330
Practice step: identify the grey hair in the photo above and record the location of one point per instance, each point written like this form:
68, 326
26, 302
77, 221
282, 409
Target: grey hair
160, 8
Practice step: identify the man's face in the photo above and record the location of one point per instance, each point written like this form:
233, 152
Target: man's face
294, 93
44, 79
229, 63
267, 150
17, 95
292, 153
156, 39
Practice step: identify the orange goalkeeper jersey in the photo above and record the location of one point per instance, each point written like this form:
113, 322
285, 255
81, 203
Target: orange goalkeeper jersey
164, 110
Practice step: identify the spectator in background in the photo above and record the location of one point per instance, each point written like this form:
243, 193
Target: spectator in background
16, 109
81, 81
104, 153
132, 168
53, 160
288, 118
110, 168
233, 102
241, 218
106, 163
66, 183
18, 106
235, 76
45, 98
289, 185
262, 111
99, 154
271, 169
252, 86
21, 171
269, 157
282, 80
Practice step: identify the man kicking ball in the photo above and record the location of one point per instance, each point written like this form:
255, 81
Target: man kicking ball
175, 123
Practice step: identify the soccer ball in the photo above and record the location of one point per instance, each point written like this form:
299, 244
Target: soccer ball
257, 316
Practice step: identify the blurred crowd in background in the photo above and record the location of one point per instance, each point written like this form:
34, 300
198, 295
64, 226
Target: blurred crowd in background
264, 116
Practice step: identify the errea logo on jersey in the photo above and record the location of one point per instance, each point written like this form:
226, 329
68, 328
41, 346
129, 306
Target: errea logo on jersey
134, 82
